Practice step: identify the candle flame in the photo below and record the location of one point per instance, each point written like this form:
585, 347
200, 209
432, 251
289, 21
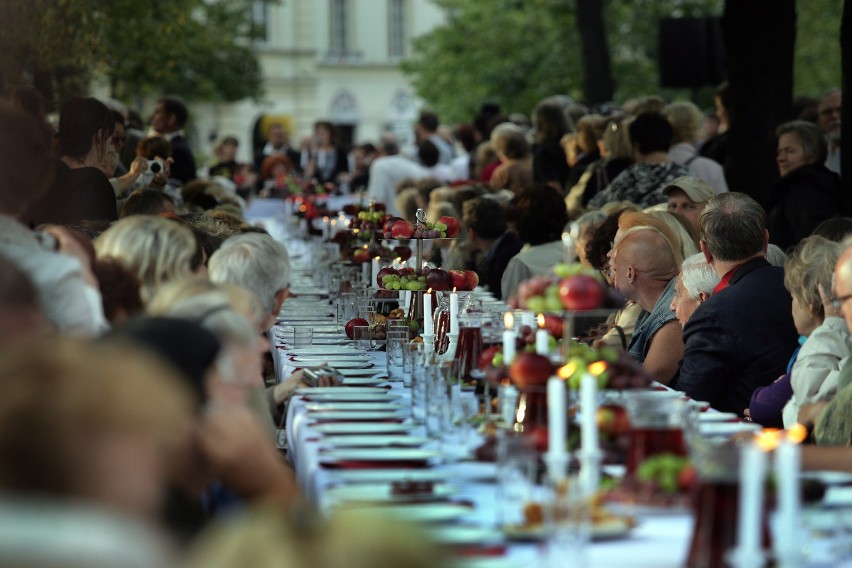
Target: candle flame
378, 258
325, 219
767, 439
566, 371
454, 289
797, 434
509, 320
540, 320
429, 291
597, 368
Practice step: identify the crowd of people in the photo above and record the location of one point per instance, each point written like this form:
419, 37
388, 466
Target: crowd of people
135, 297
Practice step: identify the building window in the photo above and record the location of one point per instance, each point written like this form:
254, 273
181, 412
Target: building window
339, 44
396, 29
260, 20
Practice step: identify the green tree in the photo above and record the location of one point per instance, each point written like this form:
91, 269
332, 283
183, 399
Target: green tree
198, 49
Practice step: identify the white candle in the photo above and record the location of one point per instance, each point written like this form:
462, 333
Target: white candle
454, 311
406, 301
787, 467
326, 228
508, 402
509, 339
542, 338
428, 328
589, 405
752, 473
365, 272
557, 417
376, 268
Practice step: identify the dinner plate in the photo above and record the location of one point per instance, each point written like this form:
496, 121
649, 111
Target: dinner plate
332, 358
356, 415
340, 364
388, 475
609, 528
342, 428
461, 535
421, 512
380, 454
706, 417
828, 477
363, 381
337, 390
361, 372
330, 350
345, 396
356, 406
726, 428
383, 493
376, 441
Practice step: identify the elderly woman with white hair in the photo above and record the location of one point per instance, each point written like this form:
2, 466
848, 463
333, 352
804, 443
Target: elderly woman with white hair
694, 285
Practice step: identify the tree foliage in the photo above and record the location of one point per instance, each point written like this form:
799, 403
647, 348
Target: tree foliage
515, 52
199, 49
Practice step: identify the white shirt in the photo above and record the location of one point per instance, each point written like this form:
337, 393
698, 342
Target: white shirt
704, 168
385, 173
68, 301
532, 261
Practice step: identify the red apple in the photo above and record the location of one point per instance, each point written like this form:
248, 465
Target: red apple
402, 230
384, 272
403, 252
554, 325
438, 279
379, 207
487, 356
352, 324
581, 292
612, 420
388, 223
458, 280
686, 479
472, 279
361, 255
452, 224
530, 369
406, 271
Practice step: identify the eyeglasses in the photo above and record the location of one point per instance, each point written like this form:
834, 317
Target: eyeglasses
837, 303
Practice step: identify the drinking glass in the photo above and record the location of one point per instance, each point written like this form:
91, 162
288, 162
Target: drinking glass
396, 340
567, 515
469, 346
410, 353
363, 337
516, 468
657, 421
419, 371
298, 337
367, 310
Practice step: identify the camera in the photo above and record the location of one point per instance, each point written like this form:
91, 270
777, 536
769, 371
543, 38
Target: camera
156, 166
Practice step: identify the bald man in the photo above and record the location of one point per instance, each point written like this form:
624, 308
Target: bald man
643, 268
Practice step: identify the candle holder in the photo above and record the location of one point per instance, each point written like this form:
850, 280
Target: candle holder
744, 558
452, 344
557, 465
590, 470
429, 342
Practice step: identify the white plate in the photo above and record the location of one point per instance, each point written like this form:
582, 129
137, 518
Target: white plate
466, 535
726, 428
361, 372
383, 493
388, 475
828, 477
345, 396
332, 358
364, 364
356, 415
374, 441
342, 428
711, 416
338, 390
363, 381
379, 454
330, 350
422, 512
356, 406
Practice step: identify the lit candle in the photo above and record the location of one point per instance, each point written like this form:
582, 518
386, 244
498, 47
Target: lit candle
326, 228
557, 417
542, 338
753, 458
454, 312
787, 468
376, 268
365, 272
509, 338
428, 328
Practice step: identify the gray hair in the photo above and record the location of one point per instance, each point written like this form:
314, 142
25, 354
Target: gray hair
733, 225
697, 276
813, 143
255, 261
775, 256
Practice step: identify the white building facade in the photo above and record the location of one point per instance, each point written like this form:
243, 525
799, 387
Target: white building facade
335, 60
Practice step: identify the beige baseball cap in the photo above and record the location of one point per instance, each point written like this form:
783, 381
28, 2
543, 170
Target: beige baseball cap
695, 188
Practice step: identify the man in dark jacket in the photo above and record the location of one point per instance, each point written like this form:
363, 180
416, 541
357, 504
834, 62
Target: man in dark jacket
743, 336
487, 233
169, 117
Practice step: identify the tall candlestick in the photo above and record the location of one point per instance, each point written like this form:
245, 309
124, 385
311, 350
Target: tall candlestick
542, 338
454, 311
326, 228
787, 467
508, 403
589, 405
557, 417
428, 328
752, 474
509, 339
376, 268
365, 272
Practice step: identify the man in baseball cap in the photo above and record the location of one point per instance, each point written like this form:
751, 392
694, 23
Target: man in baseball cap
687, 195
